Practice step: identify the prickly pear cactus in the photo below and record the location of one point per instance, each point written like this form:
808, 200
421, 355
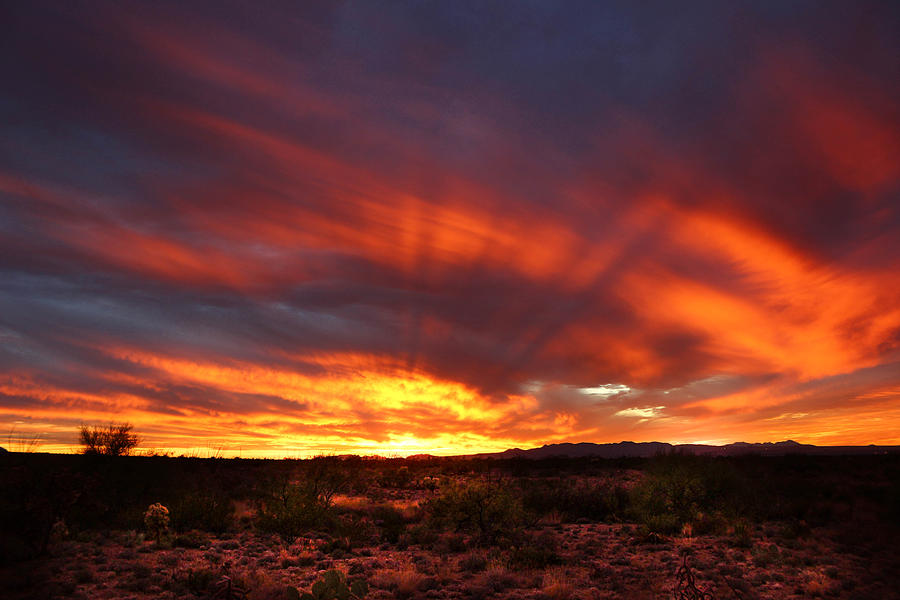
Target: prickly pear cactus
334, 586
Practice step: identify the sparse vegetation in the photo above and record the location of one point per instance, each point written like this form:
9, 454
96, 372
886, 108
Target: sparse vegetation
539, 529
486, 509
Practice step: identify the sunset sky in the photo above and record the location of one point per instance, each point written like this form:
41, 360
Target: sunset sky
290, 228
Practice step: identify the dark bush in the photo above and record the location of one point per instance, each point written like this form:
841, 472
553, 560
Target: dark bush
115, 439
677, 489
292, 510
535, 552
399, 478
205, 510
390, 521
574, 498
487, 510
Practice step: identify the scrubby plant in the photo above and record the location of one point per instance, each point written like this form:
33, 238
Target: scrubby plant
190, 539
290, 516
334, 585
227, 589
115, 439
204, 510
709, 524
535, 552
677, 489
156, 520
487, 510
292, 508
742, 533
558, 500
474, 562
557, 584
201, 581
390, 520
399, 478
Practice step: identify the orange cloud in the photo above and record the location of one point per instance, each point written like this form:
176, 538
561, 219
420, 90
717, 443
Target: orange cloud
292, 246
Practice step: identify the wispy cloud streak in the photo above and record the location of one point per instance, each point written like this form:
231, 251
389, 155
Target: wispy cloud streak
447, 228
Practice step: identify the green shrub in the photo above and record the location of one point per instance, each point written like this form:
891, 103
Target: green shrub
677, 489
292, 510
661, 524
489, 511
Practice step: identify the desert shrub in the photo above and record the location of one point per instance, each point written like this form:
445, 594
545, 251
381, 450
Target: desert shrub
678, 488
205, 510
358, 530
709, 524
661, 524
405, 582
200, 582
293, 509
156, 520
474, 562
668, 497
535, 552
399, 478
572, 498
487, 510
450, 543
390, 521
618, 502
764, 556
132, 539
115, 439
190, 539
557, 584
428, 483
334, 585
421, 534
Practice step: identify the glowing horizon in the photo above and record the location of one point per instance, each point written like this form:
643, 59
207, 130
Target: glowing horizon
449, 229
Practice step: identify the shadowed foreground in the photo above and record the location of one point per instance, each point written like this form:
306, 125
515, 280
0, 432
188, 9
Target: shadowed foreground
663, 527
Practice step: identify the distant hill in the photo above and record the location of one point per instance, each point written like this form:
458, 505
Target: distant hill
647, 449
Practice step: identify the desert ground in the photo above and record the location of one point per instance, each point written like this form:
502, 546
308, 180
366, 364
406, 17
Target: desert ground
348, 527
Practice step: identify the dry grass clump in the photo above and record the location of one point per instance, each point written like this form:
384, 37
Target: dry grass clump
557, 585
444, 572
404, 581
473, 562
498, 578
552, 518
816, 583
